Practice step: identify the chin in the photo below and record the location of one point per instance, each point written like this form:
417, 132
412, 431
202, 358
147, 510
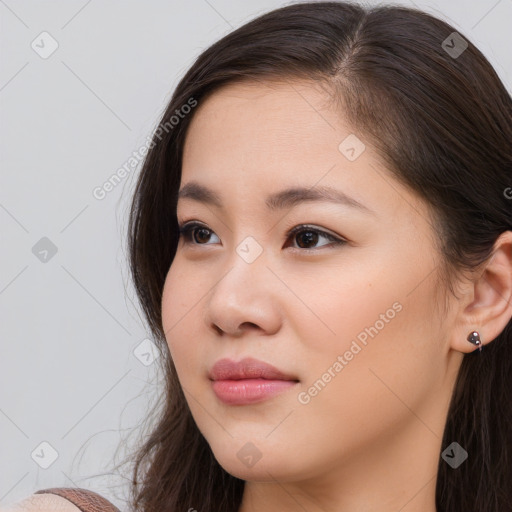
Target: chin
259, 471
257, 460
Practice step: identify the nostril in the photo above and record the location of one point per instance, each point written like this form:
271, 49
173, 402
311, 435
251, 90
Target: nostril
246, 326
250, 325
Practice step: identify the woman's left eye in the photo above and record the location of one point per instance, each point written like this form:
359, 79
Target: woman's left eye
305, 234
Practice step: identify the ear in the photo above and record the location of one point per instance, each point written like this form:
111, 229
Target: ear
486, 305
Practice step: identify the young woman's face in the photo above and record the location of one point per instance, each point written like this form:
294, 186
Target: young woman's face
350, 321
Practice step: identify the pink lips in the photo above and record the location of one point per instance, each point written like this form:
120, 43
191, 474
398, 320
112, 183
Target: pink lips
248, 381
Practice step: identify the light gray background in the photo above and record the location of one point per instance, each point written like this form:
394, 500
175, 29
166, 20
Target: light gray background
70, 325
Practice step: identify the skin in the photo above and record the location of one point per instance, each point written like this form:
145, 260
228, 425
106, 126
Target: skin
371, 438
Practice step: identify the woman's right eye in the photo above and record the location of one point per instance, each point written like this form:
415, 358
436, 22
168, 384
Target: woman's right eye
186, 231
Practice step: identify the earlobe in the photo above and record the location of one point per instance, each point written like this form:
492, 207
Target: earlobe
490, 309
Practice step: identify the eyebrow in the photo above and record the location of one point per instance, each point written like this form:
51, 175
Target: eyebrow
280, 200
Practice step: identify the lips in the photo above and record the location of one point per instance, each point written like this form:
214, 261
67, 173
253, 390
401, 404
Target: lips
248, 381
247, 368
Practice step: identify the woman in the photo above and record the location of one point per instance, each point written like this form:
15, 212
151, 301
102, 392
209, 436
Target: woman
370, 370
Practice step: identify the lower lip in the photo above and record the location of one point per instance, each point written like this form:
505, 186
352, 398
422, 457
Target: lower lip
249, 391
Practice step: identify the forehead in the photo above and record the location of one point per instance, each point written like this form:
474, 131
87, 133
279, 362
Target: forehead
264, 130
281, 117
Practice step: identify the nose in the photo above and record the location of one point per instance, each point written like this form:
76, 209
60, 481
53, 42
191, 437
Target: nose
246, 299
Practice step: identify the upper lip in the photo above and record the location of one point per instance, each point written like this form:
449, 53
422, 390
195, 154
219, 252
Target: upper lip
247, 368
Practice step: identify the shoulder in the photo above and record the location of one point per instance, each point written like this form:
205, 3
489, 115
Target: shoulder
42, 503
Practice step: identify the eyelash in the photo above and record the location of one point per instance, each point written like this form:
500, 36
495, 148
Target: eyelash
187, 228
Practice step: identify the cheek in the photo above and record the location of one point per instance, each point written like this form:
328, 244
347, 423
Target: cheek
368, 338
375, 299
179, 320
339, 305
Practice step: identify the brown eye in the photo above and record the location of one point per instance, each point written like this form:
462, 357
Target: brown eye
194, 231
307, 236
201, 234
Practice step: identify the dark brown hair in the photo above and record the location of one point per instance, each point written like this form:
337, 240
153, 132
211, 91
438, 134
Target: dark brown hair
442, 124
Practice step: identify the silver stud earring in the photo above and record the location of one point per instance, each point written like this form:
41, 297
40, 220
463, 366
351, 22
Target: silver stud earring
474, 337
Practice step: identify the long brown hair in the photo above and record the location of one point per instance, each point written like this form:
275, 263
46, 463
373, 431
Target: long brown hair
441, 119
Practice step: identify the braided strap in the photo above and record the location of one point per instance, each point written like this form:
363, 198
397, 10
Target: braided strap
84, 499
